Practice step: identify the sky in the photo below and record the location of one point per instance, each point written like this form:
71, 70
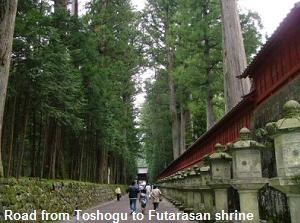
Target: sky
272, 12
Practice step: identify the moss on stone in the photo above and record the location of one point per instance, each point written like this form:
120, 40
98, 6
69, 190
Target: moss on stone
25, 195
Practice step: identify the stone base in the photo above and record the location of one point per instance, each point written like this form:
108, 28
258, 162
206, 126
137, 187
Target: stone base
221, 199
182, 207
249, 184
286, 185
188, 210
208, 200
294, 204
248, 193
177, 203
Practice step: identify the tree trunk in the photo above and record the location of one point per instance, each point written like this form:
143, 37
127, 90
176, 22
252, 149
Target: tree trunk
81, 159
60, 165
11, 142
75, 8
50, 147
101, 165
175, 119
87, 164
95, 167
116, 169
184, 120
73, 165
55, 151
34, 150
45, 144
210, 114
22, 141
173, 107
8, 9
234, 55
119, 170
60, 4
124, 175
39, 143
105, 165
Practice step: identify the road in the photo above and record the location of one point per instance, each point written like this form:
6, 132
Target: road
119, 212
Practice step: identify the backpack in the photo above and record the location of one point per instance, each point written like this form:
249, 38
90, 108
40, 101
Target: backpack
143, 199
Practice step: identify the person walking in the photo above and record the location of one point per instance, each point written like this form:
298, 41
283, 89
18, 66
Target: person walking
118, 193
148, 190
156, 197
133, 191
143, 200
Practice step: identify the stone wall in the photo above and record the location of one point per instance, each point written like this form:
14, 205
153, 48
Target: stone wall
273, 203
25, 195
271, 110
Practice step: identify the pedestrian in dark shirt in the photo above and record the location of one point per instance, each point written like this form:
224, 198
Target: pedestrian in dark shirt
133, 192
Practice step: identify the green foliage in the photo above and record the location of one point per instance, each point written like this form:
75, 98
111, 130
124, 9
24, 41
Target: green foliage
70, 111
156, 118
156, 126
74, 78
191, 29
251, 26
113, 30
199, 58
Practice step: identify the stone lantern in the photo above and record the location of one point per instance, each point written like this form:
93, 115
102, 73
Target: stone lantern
175, 179
196, 188
247, 172
165, 185
188, 180
169, 189
174, 199
194, 179
175, 188
246, 156
220, 165
286, 135
177, 191
184, 189
205, 175
207, 195
172, 187
190, 191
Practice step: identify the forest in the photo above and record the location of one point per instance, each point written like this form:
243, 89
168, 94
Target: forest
70, 108
186, 96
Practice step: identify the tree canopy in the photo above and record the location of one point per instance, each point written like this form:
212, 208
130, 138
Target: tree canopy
188, 32
70, 110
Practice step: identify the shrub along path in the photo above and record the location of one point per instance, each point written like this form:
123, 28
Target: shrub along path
122, 208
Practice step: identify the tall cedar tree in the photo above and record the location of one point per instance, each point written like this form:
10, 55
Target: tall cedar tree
194, 36
8, 10
234, 55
